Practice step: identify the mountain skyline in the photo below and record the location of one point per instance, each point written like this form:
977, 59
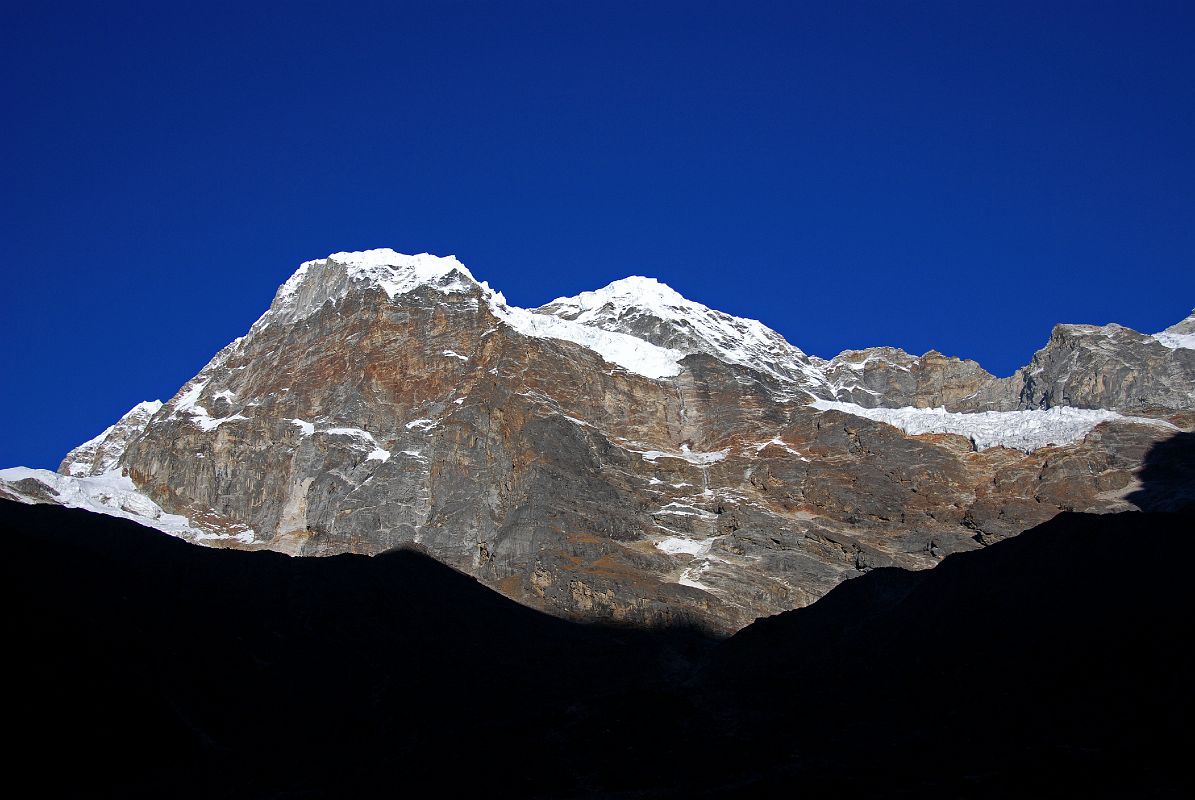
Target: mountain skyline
652, 398
625, 453
917, 176
627, 290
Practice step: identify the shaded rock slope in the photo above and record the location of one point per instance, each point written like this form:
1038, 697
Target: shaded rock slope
624, 455
146, 667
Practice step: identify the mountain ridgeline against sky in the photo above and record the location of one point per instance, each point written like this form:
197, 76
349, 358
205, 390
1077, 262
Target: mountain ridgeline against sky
625, 454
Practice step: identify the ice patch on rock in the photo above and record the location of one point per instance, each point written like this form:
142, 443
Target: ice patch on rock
674, 545
685, 454
1018, 430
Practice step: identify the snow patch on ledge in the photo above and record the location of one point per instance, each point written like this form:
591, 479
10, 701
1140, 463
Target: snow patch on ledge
188, 404
1018, 430
307, 428
700, 459
363, 438
674, 545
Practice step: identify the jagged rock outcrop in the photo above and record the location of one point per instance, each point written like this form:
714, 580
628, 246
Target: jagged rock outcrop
1081, 366
101, 454
626, 454
1109, 367
890, 377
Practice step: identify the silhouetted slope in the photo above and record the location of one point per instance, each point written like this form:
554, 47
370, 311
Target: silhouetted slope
1044, 660
1167, 476
145, 666
149, 664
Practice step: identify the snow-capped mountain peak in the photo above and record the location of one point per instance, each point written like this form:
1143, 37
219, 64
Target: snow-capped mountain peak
330, 278
634, 291
637, 323
398, 273
654, 312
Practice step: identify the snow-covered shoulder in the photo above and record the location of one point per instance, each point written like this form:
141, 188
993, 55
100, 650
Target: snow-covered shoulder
111, 494
629, 352
653, 311
101, 453
1018, 430
1180, 335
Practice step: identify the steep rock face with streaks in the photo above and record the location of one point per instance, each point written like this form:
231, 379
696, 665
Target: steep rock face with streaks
624, 455
1109, 366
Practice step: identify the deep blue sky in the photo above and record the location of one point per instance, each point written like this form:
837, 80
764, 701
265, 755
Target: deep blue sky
917, 174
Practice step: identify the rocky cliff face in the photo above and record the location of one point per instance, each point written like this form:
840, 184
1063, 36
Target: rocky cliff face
626, 454
1108, 367
1082, 366
889, 377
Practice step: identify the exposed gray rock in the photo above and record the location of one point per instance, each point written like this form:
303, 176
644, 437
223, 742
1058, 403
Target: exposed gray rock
1088, 366
890, 377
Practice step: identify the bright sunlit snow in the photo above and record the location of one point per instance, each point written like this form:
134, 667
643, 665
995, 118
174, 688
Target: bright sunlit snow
188, 403
308, 428
675, 544
632, 354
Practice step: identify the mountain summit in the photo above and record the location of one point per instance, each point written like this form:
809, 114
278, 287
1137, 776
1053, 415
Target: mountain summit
625, 454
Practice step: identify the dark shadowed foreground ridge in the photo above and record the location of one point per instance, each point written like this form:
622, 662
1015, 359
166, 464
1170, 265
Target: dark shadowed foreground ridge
155, 668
